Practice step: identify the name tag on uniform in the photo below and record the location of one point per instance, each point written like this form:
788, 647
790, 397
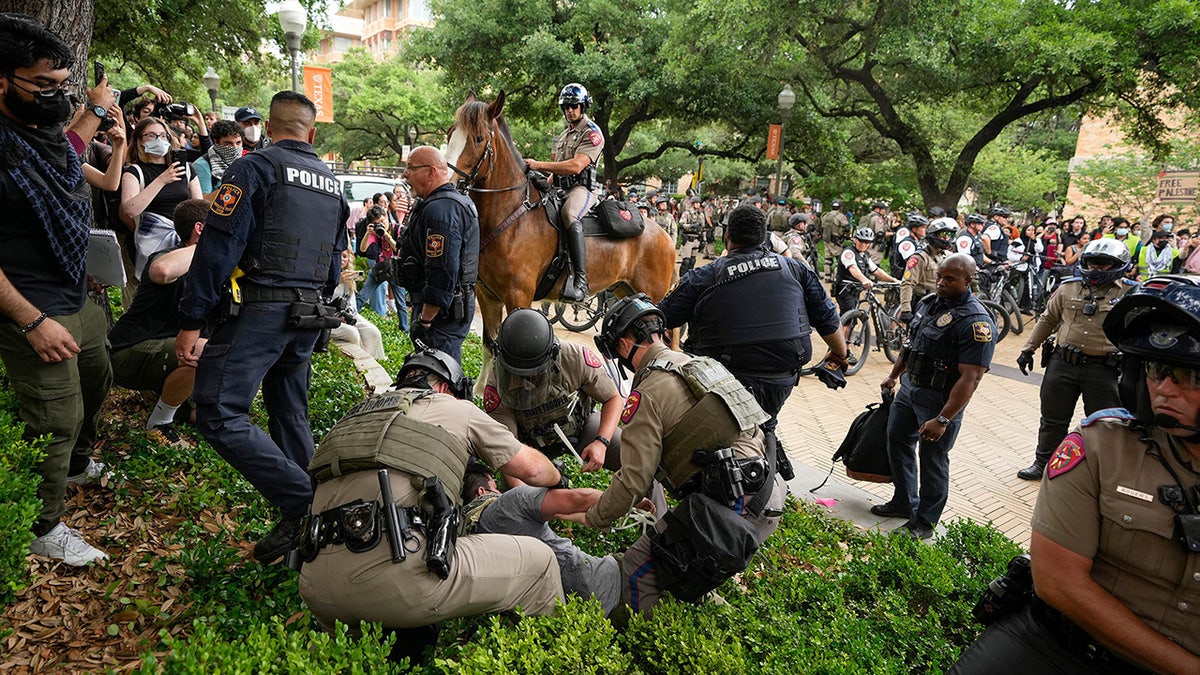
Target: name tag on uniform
306, 178
1135, 493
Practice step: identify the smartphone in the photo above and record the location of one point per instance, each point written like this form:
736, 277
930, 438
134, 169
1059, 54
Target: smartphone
99, 71
180, 156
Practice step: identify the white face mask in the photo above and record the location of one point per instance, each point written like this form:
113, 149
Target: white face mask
1122, 231
158, 147
252, 133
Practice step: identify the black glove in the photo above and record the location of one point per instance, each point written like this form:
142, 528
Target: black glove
905, 317
1025, 362
416, 331
830, 374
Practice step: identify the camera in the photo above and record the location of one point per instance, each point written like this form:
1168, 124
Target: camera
378, 229
1006, 593
174, 111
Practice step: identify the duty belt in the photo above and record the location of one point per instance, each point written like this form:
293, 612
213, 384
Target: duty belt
1075, 357
357, 524
256, 293
1078, 641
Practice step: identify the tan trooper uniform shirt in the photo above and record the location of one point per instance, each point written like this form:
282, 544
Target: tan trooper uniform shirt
658, 400
583, 137
1065, 317
1100, 500
920, 276
579, 368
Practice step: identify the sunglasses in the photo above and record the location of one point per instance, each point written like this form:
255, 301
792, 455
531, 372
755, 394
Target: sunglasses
1182, 376
570, 106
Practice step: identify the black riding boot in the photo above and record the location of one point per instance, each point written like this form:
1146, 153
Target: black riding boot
576, 286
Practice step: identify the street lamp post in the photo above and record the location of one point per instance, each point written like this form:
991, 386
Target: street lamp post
212, 82
293, 20
787, 99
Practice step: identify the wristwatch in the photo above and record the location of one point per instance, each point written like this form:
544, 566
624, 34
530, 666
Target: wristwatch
943, 420
100, 111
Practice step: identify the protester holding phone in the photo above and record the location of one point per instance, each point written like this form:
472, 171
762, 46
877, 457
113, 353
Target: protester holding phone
152, 186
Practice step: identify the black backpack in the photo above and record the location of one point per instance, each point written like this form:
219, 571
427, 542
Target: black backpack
864, 450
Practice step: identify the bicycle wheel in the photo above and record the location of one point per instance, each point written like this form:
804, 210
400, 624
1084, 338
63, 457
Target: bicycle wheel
550, 310
858, 341
894, 333
580, 316
1014, 311
1000, 317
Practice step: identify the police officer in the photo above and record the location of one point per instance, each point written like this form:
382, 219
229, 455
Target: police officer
279, 218
777, 216
664, 218
920, 272
996, 233
421, 430
949, 349
799, 241
440, 254
833, 229
681, 410
1115, 567
763, 343
876, 221
969, 240
1083, 362
856, 266
908, 239
573, 163
544, 390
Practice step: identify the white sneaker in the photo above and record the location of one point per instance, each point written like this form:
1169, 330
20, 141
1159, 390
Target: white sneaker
92, 473
63, 543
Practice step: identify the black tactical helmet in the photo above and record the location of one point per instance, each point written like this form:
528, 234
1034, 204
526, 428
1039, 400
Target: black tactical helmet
937, 212
797, 218
1160, 321
878, 205
915, 219
526, 344
835, 204
940, 233
1004, 211
574, 93
635, 313
439, 363
976, 218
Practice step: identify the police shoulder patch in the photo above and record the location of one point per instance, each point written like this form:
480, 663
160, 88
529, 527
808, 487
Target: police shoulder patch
981, 331
1067, 456
631, 406
435, 245
226, 199
491, 398
591, 358
913, 262
595, 138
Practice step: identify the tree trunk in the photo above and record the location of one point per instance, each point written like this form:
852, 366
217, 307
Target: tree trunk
72, 20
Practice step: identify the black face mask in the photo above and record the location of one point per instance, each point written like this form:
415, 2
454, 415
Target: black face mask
1160, 245
42, 110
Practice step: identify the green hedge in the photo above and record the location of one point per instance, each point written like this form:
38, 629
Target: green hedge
19, 505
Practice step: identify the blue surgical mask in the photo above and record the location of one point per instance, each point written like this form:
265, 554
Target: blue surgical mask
158, 147
1122, 231
1166, 227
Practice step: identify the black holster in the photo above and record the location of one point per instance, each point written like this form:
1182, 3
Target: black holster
312, 316
442, 533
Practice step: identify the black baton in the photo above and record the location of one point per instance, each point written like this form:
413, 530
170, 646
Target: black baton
391, 518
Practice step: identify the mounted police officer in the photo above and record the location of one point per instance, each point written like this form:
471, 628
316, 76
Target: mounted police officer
950, 346
573, 163
691, 427
969, 240
440, 254
908, 240
361, 564
920, 273
1083, 362
1115, 554
545, 392
763, 343
278, 220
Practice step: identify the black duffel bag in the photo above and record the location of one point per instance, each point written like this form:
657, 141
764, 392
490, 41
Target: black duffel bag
704, 543
620, 219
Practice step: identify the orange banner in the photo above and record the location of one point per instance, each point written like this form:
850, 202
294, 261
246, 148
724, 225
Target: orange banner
773, 136
318, 86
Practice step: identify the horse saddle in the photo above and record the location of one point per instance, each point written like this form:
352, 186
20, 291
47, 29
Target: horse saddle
610, 218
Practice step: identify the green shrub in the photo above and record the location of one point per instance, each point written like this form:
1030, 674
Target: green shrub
576, 639
19, 505
272, 647
683, 639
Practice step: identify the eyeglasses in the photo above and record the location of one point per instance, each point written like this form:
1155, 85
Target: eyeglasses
42, 89
154, 137
413, 168
1182, 376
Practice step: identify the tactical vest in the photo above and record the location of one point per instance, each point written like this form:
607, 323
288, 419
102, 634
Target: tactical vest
412, 243
553, 403
472, 513
378, 434
932, 356
862, 260
999, 244
292, 247
724, 410
724, 318
976, 251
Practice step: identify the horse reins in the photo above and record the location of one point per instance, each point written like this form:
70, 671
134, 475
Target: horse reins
469, 186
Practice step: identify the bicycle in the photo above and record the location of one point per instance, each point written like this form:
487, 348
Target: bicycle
993, 286
580, 316
890, 333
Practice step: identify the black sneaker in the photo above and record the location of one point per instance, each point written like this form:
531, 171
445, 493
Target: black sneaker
892, 510
1032, 472
278, 541
918, 531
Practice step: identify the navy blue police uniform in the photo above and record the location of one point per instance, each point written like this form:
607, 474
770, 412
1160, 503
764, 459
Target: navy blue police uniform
763, 343
444, 235
943, 334
278, 217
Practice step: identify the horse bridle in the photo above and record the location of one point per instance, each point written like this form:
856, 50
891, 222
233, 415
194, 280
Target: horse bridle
469, 179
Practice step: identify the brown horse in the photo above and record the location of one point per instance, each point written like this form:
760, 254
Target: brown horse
517, 242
